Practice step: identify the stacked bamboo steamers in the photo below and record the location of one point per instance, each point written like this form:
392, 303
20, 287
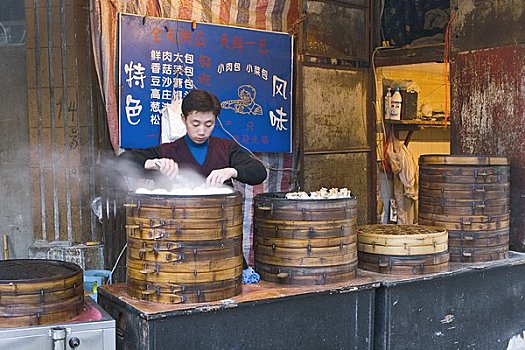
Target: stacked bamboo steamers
39, 292
463, 217
184, 249
305, 241
189, 249
469, 197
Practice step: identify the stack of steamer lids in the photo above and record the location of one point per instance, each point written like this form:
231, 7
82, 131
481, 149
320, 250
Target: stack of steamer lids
402, 249
468, 196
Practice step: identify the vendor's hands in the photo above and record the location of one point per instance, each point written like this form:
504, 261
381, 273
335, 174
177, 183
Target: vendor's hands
219, 176
166, 166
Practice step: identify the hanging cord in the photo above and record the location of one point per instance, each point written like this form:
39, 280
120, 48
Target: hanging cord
380, 144
266, 165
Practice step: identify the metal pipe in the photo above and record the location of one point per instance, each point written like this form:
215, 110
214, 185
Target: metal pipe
58, 336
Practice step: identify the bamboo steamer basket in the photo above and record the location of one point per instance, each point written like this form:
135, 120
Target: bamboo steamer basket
402, 249
184, 249
470, 197
39, 292
305, 241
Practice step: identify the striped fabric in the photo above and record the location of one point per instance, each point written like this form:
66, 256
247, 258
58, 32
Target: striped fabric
274, 15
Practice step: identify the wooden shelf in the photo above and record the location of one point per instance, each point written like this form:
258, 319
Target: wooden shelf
408, 124
409, 55
412, 125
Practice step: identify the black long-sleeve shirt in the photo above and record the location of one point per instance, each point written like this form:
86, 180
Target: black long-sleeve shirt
221, 153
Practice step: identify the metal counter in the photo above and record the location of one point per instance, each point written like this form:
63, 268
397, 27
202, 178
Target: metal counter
93, 329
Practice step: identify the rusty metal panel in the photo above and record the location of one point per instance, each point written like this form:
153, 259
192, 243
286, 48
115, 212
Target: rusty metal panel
485, 24
337, 30
334, 109
488, 109
349, 170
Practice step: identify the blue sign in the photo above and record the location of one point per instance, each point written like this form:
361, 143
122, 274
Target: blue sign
249, 70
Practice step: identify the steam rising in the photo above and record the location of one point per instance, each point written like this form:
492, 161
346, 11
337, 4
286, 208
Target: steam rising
188, 182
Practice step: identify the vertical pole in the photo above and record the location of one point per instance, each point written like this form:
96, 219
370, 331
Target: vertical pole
6, 248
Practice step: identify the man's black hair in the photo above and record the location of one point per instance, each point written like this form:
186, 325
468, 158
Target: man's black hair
200, 101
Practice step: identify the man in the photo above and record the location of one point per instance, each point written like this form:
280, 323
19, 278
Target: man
218, 160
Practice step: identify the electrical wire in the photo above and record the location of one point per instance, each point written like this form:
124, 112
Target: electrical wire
381, 32
266, 165
118, 259
5, 33
446, 63
380, 144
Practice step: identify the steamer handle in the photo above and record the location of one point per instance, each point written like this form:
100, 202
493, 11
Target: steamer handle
265, 208
177, 299
282, 275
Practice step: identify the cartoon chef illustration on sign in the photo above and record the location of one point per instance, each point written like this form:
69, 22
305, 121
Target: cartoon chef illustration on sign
246, 103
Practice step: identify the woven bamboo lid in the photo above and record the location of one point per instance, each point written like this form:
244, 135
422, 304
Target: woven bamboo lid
402, 240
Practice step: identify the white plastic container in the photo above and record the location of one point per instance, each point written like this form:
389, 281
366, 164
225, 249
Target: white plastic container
395, 105
387, 103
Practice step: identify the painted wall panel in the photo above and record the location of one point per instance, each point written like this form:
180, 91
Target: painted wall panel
488, 109
336, 31
484, 24
334, 109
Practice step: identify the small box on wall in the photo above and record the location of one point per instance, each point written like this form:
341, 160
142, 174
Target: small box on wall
409, 104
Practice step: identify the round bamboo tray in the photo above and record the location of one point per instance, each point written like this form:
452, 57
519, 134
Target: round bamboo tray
473, 255
477, 194
404, 265
462, 170
468, 209
305, 242
478, 239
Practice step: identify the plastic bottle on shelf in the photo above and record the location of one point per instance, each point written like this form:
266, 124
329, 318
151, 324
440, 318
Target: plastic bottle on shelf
395, 105
387, 103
